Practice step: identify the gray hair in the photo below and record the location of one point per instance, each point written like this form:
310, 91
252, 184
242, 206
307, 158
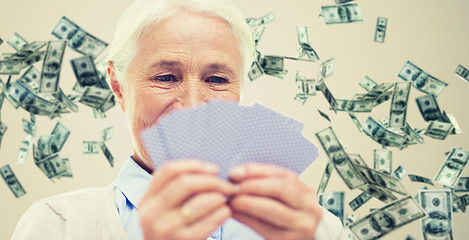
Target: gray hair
135, 21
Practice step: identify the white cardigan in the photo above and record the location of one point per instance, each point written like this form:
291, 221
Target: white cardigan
91, 213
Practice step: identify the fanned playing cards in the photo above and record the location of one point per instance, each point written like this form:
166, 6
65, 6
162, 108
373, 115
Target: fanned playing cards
227, 134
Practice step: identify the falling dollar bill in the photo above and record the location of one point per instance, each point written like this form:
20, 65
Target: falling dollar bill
354, 105
439, 130
415, 178
382, 135
29, 127
421, 80
10, 179
85, 71
255, 71
326, 69
355, 121
346, 13
449, 118
53, 166
437, 204
305, 87
387, 219
107, 153
400, 173
359, 201
78, 39
3, 129
462, 72
17, 42
324, 115
461, 202
429, 108
303, 40
325, 177
10, 67
380, 32
328, 95
367, 83
95, 97
342, 1
462, 185
334, 203
24, 149
382, 180
51, 67
383, 160
339, 158
256, 22
90, 147
34, 58
60, 133
31, 79
106, 134
397, 115
452, 168
28, 50
357, 159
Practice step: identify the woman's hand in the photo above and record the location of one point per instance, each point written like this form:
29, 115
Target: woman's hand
186, 200
274, 202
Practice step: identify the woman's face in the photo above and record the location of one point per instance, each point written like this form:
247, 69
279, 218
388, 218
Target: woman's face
182, 61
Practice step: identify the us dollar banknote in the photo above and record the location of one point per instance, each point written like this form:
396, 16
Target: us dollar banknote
357, 159
106, 134
53, 166
305, 87
415, 178
339, 158
31, 79
449, 118
346, 13
381, 180
90, 147
95, 97
107, 153
17, 41
356, 121
326, 69
60, 133
325, 177
328, 95
452, 168
342, 1
255, 71
421, 80
29, 127
400, 172
334, 203
324, 115
10, 67
51, 67
382, 135
387, 219
439, 223
305, 45
439, 130
380, 32
462, 185
462, 72
23, 152
383, 160
397, 115
359, 201
368, 84
256, 22
77, 38
428, 107
354, 105
3, 129
85, 71
10, 179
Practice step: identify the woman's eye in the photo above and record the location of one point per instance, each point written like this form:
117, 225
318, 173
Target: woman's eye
216, 80
166, 78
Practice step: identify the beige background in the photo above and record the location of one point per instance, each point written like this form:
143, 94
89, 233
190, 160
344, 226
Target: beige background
432, 34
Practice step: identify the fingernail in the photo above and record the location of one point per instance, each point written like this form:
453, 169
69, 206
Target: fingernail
237, 172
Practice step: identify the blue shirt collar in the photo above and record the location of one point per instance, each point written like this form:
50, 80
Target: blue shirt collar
133, 181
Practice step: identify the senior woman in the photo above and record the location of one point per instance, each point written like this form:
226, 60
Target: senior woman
168, 55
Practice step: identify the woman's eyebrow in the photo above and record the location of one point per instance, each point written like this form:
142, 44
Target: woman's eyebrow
220, 67
165, 64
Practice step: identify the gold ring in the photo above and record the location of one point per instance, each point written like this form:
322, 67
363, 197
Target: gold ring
186, 215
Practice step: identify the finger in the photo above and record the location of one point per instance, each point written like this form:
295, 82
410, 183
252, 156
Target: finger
202, 228
256, 170
265, 209
172, 169
186, 185
292, 192
202, 205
